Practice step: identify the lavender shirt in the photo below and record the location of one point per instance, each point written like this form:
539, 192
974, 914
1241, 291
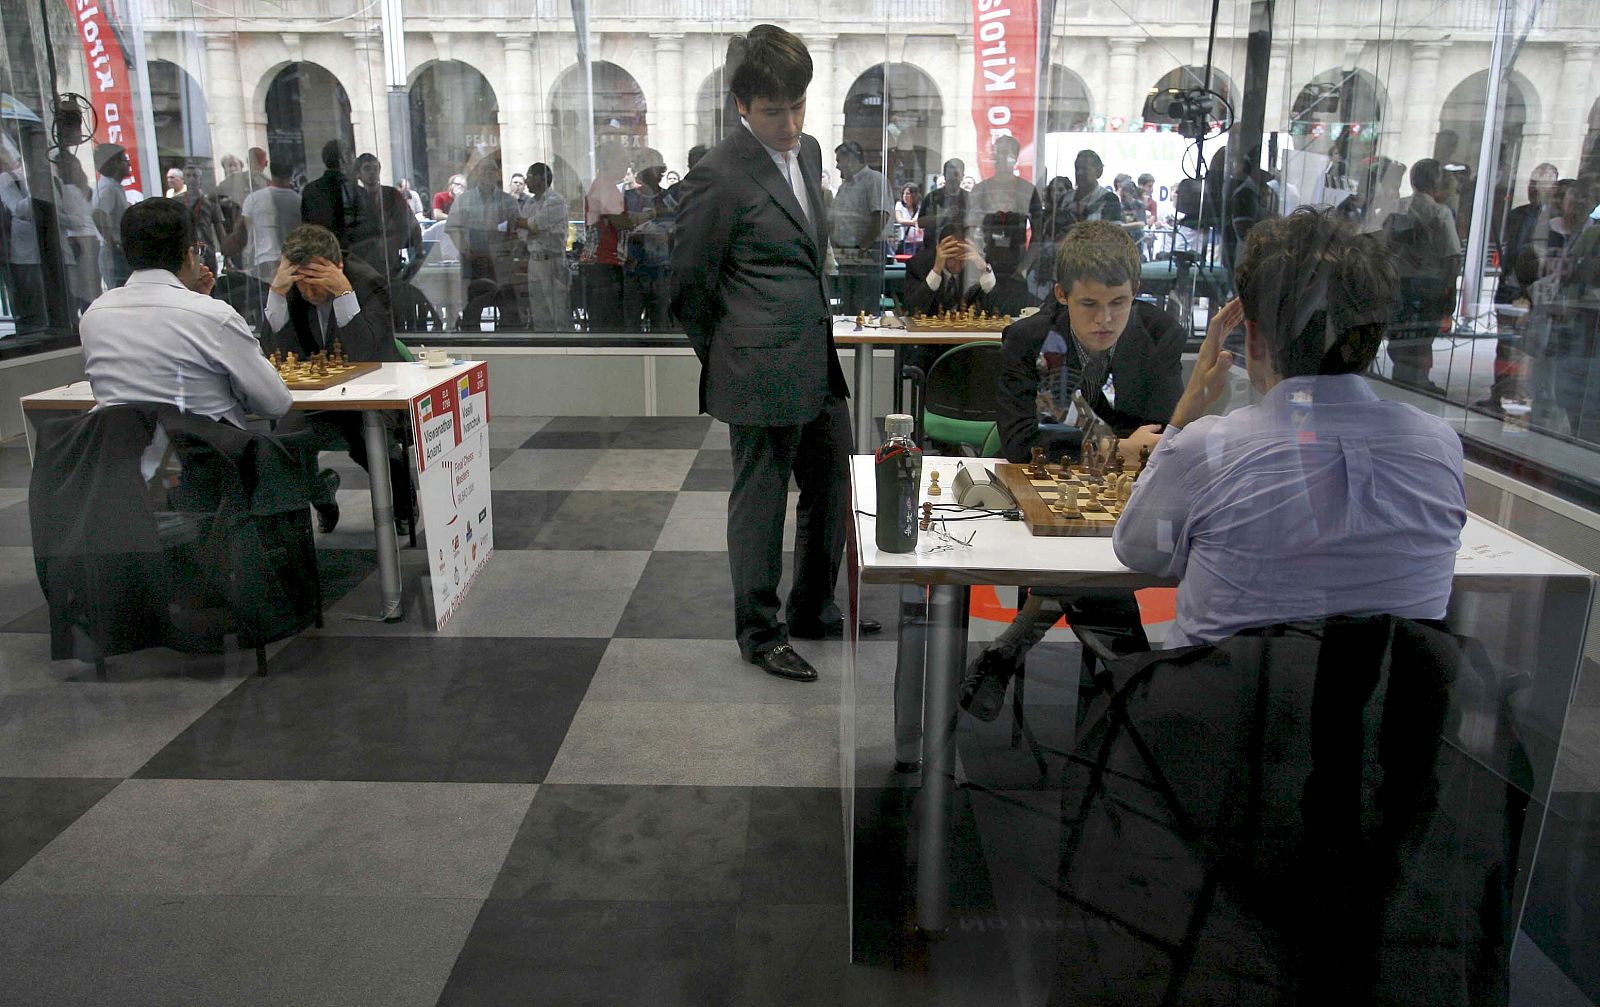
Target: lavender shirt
1321, 500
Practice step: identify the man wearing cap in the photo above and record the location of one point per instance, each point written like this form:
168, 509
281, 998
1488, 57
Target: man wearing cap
109, 205
1322, 499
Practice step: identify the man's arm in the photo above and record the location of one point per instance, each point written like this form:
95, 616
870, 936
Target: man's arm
367, 331
252, 378
1152, 533
705, 227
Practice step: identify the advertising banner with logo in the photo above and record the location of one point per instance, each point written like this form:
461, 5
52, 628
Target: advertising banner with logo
1005, 78
110, 85
451, 424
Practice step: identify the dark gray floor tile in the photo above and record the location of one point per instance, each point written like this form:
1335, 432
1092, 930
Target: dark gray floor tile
34, 811
681, 596
570, 439
601, 953
712, 471
36, 621
611, 843
571, 424
242, 951
795, 853
519, 515
421, 709
14, 525
590, 519
1565, 887
666, 432
498, 455
15, 468
342, 569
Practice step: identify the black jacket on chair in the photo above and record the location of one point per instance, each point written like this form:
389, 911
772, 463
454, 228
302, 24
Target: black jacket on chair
1145, 367
369, 336
749, 289
114, 561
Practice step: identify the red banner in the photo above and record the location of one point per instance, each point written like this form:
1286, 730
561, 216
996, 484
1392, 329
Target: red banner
1004, 77
110, 89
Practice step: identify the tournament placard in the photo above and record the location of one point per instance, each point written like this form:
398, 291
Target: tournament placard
451, 424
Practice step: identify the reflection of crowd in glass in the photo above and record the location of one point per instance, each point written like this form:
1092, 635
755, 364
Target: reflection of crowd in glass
509, 253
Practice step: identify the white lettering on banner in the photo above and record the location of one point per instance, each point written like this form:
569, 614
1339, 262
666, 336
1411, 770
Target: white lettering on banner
471, 419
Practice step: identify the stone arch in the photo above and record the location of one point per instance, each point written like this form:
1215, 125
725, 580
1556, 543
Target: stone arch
294, 136
894, 110
1181, 78
182, 127
455, 121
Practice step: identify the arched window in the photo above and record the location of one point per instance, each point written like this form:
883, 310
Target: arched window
306, 107
899, 126
455, 122
617, 110
178, 106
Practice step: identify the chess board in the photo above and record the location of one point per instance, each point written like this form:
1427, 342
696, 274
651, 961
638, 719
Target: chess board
958, 321
1040, 500
303, 378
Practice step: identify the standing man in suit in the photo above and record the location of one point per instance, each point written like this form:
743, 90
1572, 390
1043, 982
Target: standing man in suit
331, 199
748, 287
317, 298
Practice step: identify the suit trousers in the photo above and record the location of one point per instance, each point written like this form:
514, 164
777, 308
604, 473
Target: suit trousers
336, 430
817, 454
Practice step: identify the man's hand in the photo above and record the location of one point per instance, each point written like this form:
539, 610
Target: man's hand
1211, 367
950, 252
324, 275
1147, 436
284, 278
973, 255
199, 279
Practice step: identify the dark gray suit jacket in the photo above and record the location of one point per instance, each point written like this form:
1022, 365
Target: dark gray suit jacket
748, 286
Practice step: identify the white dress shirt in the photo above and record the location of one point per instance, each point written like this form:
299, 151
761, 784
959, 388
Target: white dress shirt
344, 308
1321, 500
788, 162
153, 340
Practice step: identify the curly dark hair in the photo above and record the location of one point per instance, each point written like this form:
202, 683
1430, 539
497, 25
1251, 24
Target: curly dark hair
1312, 274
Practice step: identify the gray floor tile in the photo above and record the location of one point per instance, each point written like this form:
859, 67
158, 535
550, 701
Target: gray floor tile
654, 844
519, 593
709, 744
160, 951
12, 495
625, 469
546, 469
520, 515
514, 431
699, 523
15, 468
285, 839
664, 954
716, 437
25, 666
619, 519
15, 529
656, 432
102, 729
33, 811
711, 671
580, 424
712, 471
795, 850
19, 583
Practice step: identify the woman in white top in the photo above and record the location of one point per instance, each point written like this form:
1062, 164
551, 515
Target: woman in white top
905, 220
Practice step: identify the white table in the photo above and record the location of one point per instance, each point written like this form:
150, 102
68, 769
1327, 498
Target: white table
868, 339
1492, 561
390, 387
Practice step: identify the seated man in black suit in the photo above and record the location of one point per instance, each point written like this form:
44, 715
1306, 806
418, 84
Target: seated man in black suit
1124, 356
953, 275
317, 298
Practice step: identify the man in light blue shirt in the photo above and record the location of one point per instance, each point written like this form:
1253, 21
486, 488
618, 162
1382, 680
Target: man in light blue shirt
1322, 499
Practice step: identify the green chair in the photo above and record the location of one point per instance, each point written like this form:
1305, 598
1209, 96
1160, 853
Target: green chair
958, 401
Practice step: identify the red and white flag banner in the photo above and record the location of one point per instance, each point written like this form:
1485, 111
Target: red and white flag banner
1005, 77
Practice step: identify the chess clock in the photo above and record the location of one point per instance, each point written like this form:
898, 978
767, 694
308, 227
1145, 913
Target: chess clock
982, 490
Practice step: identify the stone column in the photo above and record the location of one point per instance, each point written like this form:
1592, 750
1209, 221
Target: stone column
519, 141
1575, 96
224, 99
824, 102
1424, 101
369, 108
966, 142
666, 106
1122, 91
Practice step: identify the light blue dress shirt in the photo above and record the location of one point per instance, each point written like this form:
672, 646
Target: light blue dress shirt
1321, 500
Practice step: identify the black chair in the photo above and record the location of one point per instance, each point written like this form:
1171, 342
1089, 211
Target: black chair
411, 309
1286, 816
205, 535
958, 400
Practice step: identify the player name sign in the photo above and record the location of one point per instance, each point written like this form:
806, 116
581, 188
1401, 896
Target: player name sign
451, 426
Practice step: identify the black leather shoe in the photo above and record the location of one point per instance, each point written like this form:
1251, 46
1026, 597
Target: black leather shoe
784, 662
327, 517
833, 631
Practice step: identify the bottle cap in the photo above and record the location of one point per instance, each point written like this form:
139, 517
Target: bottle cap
898, 425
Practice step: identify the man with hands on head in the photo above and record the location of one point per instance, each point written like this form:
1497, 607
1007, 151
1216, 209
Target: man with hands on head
1322, 499
317, 298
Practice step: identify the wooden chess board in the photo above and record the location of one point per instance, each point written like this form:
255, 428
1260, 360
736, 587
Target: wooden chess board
302, 377
957, 322
1040, 500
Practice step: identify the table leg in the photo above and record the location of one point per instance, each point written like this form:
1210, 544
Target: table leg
866, 438
377, 440
910, 657
947, 616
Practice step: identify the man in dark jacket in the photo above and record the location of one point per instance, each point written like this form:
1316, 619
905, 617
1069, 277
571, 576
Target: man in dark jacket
1124, 356
319, 298
749, 289
331, 199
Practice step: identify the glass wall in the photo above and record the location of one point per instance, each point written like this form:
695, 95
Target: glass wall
519, 158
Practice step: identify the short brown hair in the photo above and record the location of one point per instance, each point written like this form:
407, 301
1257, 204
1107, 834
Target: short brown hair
770, 63
1097, 250
1314, 265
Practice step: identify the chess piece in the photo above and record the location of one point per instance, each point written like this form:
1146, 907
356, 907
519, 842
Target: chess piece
1144, 459
291, 361
338, 352
927, 517
933, 484
1069, 502
861, 320
1036, 469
